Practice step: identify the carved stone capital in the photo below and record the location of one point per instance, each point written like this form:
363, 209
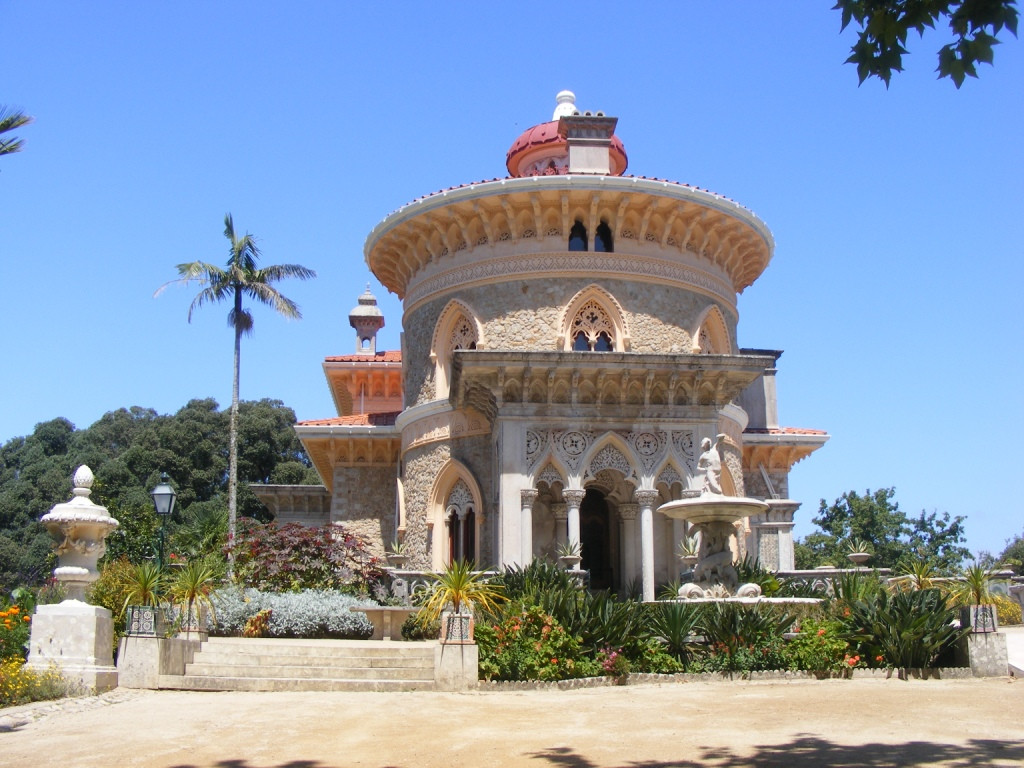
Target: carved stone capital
573, 497
646, 498
560, 511
628, 511
527, 496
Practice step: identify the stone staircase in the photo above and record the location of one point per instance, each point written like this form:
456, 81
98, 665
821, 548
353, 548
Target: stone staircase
266, 664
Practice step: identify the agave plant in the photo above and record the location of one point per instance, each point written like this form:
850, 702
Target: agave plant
673, 624
856, 546
902, 629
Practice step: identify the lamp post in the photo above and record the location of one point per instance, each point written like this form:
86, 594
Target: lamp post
163, 501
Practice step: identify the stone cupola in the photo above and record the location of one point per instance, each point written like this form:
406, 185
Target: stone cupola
367, 319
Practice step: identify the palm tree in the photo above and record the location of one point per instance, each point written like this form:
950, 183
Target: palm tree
9, 121
240, 277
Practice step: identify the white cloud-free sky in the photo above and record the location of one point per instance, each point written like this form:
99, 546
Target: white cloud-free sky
898, 214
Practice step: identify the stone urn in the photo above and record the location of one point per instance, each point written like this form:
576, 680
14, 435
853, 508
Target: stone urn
858, 558
571, 562
79, 528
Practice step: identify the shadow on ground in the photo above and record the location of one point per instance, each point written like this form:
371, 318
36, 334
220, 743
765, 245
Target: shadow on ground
808, 752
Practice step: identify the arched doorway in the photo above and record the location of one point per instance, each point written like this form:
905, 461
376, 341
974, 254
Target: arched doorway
596, 540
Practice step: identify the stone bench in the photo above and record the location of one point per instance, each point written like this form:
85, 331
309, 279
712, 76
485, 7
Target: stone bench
387, 620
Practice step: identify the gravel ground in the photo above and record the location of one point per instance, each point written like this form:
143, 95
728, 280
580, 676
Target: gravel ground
783, 723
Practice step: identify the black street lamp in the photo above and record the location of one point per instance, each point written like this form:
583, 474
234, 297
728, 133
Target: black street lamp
163, 501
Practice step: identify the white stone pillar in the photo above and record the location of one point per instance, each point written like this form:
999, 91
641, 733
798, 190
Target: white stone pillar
627, 514
561, 514
647, 500
527, 497
573, 499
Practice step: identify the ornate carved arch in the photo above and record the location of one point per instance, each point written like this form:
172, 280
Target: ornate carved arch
712, 334
455, 490
605, 314
457, 327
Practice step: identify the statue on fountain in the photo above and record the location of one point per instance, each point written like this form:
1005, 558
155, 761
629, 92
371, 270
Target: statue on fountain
714, 515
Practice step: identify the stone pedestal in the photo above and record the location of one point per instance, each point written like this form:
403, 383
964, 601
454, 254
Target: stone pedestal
986, 654
141, 660
456, 667
79, 639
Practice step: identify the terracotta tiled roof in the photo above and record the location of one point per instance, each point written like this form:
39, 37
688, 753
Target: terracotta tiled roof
355, 420
390, 356
785, 431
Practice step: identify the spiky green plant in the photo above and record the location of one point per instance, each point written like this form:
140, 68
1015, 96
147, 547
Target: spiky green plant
460, 585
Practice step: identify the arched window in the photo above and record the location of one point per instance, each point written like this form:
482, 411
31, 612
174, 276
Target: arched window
578, 237
455, 330
592, 330
603, 238
460, 519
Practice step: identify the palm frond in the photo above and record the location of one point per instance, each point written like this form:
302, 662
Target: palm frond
12, 119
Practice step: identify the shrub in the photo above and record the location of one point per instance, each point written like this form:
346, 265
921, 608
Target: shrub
743, 638
14, 632
293, 557
530, 644
21, 685
819, 647
310, 613
258, 624
414, 629
1007, 609
902, 630
673, 625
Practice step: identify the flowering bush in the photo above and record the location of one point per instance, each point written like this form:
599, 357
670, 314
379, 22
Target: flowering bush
20, 685
529, 644
820, 647
14, 632
292, 557
311, 613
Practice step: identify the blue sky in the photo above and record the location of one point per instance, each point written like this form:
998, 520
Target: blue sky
898, 215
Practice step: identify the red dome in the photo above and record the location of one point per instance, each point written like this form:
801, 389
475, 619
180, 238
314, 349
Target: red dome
542, 142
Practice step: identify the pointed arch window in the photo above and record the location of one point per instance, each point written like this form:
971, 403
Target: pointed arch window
460, 520
603, 238
578, 237
592, 329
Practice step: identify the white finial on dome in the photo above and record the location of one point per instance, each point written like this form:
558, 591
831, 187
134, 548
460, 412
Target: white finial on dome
566, 104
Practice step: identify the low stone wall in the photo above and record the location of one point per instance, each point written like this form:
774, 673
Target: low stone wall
782, 675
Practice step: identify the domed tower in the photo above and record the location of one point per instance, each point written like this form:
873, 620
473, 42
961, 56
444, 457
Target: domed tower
569, 338
367, 319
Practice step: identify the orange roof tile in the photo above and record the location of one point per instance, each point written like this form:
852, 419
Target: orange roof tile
785, 431
389, 356
355, 420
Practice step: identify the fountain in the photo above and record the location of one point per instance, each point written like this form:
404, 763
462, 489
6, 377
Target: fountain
714, 515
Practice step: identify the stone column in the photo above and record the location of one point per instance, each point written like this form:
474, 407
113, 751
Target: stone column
573, 499
561, 514
627, 514
527, 497
647, 500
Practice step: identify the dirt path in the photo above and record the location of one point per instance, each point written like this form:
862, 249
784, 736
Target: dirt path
806, 723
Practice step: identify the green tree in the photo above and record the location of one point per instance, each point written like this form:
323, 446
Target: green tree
875, 517
240, 278
884, 26
10, 120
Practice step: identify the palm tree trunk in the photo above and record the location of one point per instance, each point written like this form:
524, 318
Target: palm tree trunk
233, 442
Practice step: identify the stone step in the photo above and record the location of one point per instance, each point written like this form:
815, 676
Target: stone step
307, 672
362, 661
202, 683
303, 649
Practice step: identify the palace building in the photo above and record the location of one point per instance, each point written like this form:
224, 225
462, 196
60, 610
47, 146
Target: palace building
569, 336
